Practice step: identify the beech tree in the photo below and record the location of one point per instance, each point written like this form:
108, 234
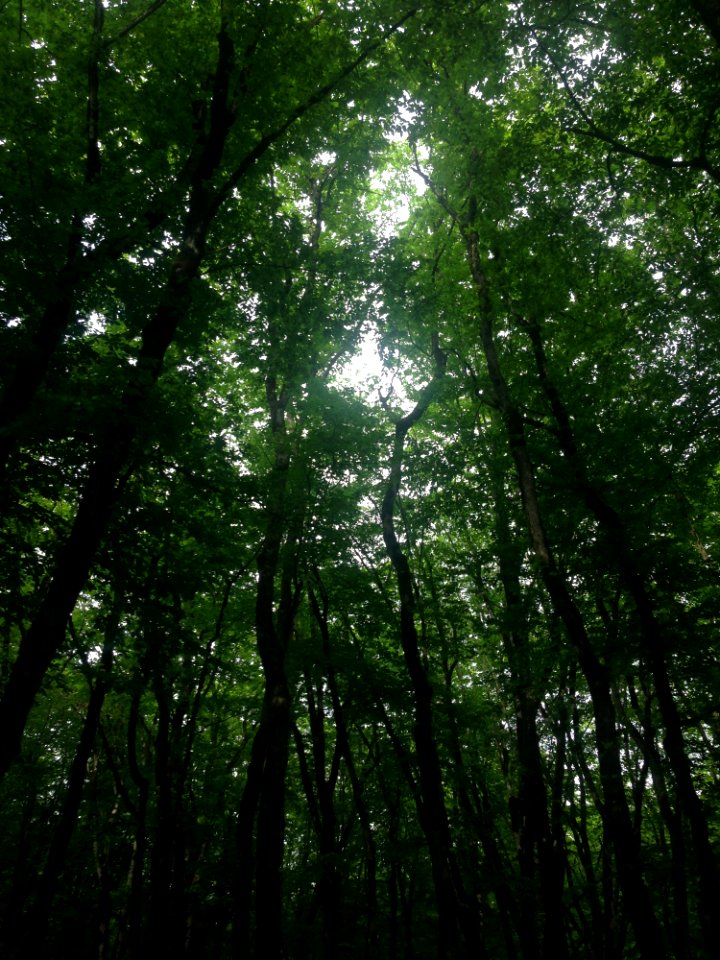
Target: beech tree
358, 473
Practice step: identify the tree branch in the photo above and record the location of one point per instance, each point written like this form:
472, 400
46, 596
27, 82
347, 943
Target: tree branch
318, 96
136, 22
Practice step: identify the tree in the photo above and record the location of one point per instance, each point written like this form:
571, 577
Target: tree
419, 666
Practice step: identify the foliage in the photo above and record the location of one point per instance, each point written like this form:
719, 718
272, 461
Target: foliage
419, 661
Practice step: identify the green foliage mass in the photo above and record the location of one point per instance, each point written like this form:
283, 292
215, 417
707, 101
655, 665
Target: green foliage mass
378, 341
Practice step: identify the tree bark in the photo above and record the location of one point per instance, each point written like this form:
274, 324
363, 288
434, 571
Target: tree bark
616, 814
457, 933
263, 801
653, 643
32, 928
541, 859
319, 606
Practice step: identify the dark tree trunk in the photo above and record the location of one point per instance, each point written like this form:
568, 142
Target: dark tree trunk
263, 801
458, 933
541, 857
32, 927
135, 927
263, 810
654, 643
319, 604
677, 908
320, 792
615, 809
162, 921
242, 894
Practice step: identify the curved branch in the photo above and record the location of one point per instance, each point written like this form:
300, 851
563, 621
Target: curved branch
595, 132
136, 22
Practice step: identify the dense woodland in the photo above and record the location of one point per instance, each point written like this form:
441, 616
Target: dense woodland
359, 472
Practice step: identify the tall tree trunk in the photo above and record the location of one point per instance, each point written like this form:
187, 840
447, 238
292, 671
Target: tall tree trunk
32, 927
328, 889
162, 920
263, 798
458, 934
654, 643
671, 816
616, 813
475, 807
134, 932
541, 859
319, 605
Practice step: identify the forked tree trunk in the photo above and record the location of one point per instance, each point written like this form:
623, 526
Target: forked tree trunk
458, 931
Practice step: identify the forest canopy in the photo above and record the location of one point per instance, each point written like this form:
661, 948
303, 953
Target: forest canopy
359, 472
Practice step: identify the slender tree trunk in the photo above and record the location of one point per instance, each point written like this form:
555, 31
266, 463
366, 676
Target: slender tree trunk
319, 605
653, 645
134, 932
616, 813
32, 928
475, 807
269, 937
401, 920
328, 890
245, 850
541, 858
679, 920
458, 933
264, 795
162, 921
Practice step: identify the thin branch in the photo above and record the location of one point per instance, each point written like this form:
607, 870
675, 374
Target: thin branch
597, 133
318, 96
436, 192
92, 159
655, 159
136, 22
